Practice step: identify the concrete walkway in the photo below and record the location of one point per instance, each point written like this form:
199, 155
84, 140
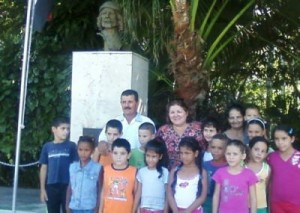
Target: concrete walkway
27, 200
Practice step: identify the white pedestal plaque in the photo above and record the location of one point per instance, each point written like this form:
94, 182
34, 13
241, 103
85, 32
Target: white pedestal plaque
98, 79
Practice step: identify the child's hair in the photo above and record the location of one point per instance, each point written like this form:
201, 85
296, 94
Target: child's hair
260, 122
116, 124
221, 136
285, 128
158, 147
193, 144
257, 139
236, 106
211, 122
61, 120
87, 139
251, 106
121, 142
238, 144
148, 126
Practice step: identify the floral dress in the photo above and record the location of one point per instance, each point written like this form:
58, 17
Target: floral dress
172, 139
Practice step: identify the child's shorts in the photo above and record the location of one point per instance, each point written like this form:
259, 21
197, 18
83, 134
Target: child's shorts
145, 210
198, 210
283, 207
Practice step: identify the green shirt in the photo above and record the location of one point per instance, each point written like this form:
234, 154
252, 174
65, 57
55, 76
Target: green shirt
137, 158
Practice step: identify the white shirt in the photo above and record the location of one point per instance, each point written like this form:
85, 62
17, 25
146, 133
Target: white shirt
130, 130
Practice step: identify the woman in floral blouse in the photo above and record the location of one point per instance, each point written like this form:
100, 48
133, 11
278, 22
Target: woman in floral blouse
178, 127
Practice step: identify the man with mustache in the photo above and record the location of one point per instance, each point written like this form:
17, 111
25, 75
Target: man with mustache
131, 118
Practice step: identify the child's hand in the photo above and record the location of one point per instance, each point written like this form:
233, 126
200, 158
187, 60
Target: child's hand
43, 196
103, 148
68, 210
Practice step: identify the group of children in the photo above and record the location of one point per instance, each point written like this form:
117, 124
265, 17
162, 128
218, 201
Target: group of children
228, 177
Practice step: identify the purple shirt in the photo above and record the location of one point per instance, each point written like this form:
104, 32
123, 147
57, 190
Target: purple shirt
234, 194
285, 178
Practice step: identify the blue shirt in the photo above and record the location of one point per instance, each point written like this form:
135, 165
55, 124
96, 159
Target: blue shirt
58, 157
84, 185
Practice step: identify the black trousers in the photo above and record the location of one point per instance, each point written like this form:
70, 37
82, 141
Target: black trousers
56, 198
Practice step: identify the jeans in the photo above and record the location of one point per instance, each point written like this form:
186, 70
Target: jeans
56, 197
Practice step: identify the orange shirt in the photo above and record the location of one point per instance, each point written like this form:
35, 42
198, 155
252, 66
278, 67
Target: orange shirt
118, 186
105, 159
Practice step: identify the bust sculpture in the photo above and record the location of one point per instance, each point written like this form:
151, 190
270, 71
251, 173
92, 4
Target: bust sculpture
110, 24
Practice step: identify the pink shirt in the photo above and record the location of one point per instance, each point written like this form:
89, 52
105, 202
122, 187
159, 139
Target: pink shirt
234, 195
285, 178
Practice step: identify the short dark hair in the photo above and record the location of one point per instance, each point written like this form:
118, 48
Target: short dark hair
121, 142
211, 122
87, 139
59, 121
148, 126
116, 124
129, 92
221, 136
251, 106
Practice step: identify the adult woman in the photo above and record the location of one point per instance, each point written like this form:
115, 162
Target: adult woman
235, 116
178, 127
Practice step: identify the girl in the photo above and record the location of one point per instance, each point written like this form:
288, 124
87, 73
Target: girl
234, 183
258, 152
187, 187
285, 172
152, 180
256, 127
85, 179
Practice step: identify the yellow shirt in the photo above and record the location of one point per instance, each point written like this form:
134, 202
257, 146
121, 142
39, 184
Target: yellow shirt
261, 196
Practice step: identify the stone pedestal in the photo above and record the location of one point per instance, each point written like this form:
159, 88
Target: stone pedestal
98, 79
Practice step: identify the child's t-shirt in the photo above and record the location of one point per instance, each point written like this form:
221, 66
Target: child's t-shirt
105, 160
58, 157
285, 178
137, 158
234, 194
118, 186
153, 188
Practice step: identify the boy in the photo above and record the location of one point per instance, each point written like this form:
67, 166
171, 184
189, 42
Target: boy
146, 133
118, 181
102, 153
217, 147
210, 128
55, 159
251, 111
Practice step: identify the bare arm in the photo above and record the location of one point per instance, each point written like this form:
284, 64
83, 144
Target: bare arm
100, 183
170, 196
43, 174
96, 155
137, 197
252, 192
166, 208
200, 200
216, 198
101, 200
68, 198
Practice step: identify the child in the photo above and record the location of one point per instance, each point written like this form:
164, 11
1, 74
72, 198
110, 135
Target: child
102, 154
255, 127
152, 180
118, 181
210, 128
146, 133
285, 172
217, 148
85, 179
258, 153
251, 111
187, 187
55, 159
234, 183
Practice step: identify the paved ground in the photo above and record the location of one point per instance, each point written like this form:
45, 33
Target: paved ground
27, 201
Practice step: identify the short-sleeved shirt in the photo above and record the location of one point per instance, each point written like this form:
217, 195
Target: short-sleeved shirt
118, 189
234, 194
153, 188
58, 157
172, 139
137, 158
130, 130
285, 178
